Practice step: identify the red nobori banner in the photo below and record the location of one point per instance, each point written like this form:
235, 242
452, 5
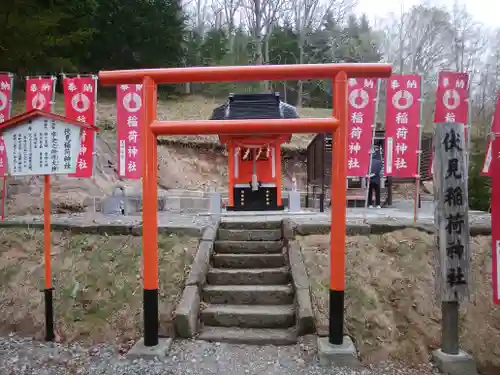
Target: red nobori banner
486, 170
80, 105
402, 121
495, 128
6, 90
362, 93
40, 93
451, 98
129, 110
495, 218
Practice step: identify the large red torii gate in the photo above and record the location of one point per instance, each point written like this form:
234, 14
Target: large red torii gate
150, 78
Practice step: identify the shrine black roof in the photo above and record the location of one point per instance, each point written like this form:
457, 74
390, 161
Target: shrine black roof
254, 106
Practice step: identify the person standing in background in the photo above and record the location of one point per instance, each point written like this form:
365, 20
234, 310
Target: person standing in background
374, 178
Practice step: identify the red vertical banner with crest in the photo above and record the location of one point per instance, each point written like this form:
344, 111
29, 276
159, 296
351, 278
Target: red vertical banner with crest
452, 99
402, 121
6, 91
80, 105
362, 94
495, 217
129, 111
452, 96
40, 93
495, 129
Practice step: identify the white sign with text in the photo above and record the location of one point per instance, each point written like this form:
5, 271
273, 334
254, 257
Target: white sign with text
42, 146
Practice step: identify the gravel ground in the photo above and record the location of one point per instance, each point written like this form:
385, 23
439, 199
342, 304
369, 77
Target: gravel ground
26, 356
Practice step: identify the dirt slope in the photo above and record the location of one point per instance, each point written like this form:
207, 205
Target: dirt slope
390, 301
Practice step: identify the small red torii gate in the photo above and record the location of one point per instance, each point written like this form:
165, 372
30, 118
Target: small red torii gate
152, 128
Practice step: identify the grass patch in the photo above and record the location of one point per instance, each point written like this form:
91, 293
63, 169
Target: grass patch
97, 281
391, 309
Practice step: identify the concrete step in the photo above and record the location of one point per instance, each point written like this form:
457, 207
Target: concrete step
249, 235
249, 316
249, 336
250, 224
248, 294
248, 276
248, 260
241, 247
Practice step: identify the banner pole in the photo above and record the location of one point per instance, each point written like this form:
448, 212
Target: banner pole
469, 131
94, 152
53, 95
374, 126
419, 152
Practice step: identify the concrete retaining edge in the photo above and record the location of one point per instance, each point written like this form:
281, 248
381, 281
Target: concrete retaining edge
201, 262
305, 315
186, 319
187, 312
210, 232
306, 229
109, 229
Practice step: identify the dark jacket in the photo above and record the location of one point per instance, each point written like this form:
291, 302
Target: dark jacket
376, 170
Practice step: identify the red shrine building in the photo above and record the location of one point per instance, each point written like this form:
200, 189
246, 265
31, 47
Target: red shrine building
254, 162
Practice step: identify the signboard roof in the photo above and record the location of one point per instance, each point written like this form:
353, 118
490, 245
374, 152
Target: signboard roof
19, 119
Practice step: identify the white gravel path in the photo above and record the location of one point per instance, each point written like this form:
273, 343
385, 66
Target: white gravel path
21, 356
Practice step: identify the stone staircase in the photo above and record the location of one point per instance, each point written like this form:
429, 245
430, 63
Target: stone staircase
248, 297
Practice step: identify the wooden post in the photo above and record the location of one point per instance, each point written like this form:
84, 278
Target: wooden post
452, 227
48, 291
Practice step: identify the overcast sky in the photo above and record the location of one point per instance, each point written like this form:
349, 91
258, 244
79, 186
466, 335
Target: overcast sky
485, 11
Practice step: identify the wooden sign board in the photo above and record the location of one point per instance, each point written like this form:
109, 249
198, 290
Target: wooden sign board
42, 145
451, 212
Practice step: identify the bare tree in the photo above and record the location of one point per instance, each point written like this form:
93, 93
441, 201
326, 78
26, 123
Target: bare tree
467, 41
197, 11
230, 9
307, 16
261, 15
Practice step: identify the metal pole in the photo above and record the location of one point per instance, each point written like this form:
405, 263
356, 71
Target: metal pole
374, 126
419, 152
53, 98
94, 151
307, 189
469, 129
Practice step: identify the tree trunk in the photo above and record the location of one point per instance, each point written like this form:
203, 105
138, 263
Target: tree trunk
300, 83
259, 59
